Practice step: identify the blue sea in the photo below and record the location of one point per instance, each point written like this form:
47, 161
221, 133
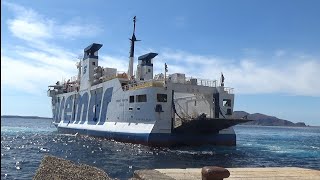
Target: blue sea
24, 142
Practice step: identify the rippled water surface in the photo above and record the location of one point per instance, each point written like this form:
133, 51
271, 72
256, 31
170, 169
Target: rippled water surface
24, 142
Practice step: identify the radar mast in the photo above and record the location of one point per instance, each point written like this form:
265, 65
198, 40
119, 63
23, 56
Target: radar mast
131, 57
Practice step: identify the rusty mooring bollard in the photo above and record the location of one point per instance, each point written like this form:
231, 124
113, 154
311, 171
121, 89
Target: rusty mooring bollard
214, 173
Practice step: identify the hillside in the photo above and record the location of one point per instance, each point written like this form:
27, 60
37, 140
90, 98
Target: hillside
265, 120
26, 117
259, 119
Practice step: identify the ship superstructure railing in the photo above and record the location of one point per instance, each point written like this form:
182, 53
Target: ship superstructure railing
64, 86
229, 90
74, 78
201, 82
119, 74
143, 84
191, 80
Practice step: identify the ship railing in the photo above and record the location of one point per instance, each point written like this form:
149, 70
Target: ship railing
193, 81
105, 78
74, 78
143, 84
122, 74
69, 85
229, 90
119, 74
203, 82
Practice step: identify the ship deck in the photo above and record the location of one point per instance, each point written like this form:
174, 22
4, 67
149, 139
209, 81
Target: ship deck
207, 125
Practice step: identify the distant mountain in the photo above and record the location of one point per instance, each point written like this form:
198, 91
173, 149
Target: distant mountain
265, 120
259, 119
28, 117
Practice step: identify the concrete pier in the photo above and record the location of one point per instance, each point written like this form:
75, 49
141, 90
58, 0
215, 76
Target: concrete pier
275, 173
60, 169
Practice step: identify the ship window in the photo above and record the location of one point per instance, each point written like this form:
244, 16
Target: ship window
227, 102
149, 70
130, 108
229, 112
142, 98
131, 99
138, 108
162, 97
94, 63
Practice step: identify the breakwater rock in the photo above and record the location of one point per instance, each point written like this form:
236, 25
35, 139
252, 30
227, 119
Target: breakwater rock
57, 168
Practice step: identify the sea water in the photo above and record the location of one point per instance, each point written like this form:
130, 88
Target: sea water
24, 142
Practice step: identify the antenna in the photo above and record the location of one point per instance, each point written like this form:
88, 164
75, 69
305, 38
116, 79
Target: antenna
134, 24
222, 79
133, 39
78, 64
165, 73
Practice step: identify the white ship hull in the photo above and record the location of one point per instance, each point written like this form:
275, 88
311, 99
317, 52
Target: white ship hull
109, 114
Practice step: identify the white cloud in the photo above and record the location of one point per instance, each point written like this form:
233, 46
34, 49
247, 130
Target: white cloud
61, 61
28, 77
295, 75
73, 30
121, 63
28, 30
37, 63
31, 26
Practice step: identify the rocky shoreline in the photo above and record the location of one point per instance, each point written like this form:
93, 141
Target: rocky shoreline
52, 167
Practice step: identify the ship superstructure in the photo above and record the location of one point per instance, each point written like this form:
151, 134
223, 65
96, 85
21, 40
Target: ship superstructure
162, 109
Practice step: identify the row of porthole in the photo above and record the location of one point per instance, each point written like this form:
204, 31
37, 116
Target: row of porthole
146, 119
131, 108
192, 90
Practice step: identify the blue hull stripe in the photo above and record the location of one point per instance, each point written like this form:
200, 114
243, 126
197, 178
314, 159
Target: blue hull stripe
160, 139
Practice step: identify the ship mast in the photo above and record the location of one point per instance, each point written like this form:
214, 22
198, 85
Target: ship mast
131, 58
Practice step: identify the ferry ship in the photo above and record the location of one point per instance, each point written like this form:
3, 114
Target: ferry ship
157, 110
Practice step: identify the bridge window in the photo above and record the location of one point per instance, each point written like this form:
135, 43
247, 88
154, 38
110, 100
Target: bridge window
162, 97
131, 99
227, 102
142, 98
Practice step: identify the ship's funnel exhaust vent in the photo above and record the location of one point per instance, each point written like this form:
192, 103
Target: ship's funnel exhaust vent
92, 51
145, 67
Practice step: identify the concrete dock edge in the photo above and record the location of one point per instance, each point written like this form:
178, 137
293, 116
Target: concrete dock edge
150, 174
275, 173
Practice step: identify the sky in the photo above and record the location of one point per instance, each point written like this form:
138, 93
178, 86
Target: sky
267, 50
